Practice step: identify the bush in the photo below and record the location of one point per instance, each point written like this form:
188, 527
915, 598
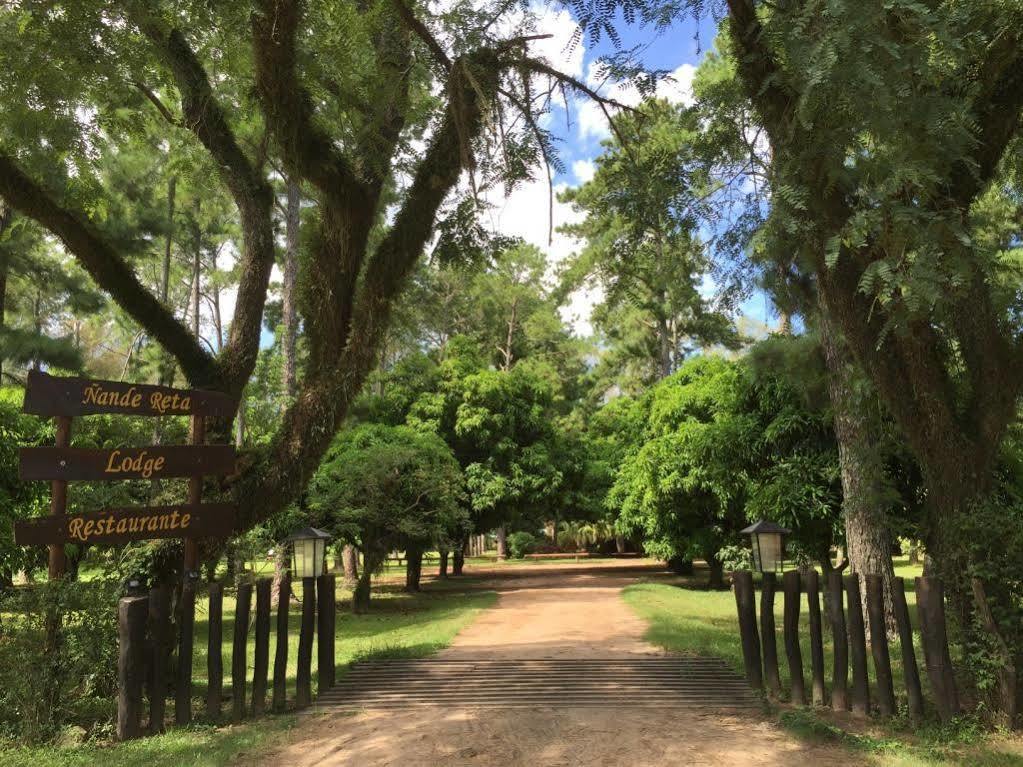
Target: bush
44, 690
520, 544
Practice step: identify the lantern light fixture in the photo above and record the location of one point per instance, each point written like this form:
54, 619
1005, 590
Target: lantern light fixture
308, 548
768, 541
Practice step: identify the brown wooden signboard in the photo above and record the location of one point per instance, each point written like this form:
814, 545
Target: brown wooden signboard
123, 525
47, 395
157, 462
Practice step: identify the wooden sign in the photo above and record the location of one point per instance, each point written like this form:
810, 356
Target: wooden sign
123, 525
48, 395
70, 463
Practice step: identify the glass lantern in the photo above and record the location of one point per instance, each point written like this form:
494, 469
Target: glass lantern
768, 541
308, 548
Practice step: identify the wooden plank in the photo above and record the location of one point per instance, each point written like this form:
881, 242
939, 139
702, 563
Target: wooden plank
50, 395
910, 672
879, 645
303, 675
58, 503
153, 462
768, 635
326, 593
186, 638
159, 630
813, 602
123, 525
930, 601
262, 659
132, 614
745, 604
792, 590
239, 651
840, 640
280, 691
215, 653
857, 647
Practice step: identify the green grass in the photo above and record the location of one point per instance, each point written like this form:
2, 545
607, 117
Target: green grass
398, 625
692, 619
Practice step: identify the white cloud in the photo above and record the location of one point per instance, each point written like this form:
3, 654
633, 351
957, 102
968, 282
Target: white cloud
676, 88
583, 170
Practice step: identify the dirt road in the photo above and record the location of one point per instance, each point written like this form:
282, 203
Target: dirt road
547, 613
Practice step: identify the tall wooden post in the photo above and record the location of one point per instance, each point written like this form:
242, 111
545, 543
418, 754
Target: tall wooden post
183, 692
836, 616
215, 653
303, 674
326, 610
239, 651
768, 635
857, 646
879, 645
159, 628
745, 603
930, 602
262, 659
280, 691
813, 603
132, 613
791, 588
910, 673
197, 436
58, 500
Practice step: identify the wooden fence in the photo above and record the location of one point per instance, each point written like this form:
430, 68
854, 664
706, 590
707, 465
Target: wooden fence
145, 639
849, 639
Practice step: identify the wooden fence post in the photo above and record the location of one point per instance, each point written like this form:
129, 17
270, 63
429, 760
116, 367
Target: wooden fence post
262, 659
132, 614
768, 635
304, 694
239, 651
813, 602
791, 587
326, 591
280, 692
186, 635
745, 603
159, 631
836, 616
910, 674
215, 653
930, 602
879, 645
857, 646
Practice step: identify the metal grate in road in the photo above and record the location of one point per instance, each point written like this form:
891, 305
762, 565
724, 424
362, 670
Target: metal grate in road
506, 683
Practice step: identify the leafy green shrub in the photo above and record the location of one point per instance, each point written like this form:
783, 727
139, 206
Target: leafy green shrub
46, 687
520, 544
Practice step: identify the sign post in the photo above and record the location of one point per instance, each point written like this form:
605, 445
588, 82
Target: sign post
58, 500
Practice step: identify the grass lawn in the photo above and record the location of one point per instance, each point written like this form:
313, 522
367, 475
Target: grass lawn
399, 625
692, 619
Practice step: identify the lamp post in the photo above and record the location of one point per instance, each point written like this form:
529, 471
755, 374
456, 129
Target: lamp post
768, 542
308, 548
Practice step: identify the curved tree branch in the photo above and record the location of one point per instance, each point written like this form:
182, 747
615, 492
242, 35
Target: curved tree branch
110, 271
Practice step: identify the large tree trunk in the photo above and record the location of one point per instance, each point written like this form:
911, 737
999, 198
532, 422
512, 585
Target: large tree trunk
458, 559
442, 569
371, 561
350, 563
502, 543
413, 567
290, 306
868, 539
5, 220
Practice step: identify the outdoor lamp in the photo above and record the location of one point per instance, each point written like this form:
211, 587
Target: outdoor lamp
768, 541
309, 547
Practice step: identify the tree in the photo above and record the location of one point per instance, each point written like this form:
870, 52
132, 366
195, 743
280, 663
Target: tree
339, 119
383, 488
642, 249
